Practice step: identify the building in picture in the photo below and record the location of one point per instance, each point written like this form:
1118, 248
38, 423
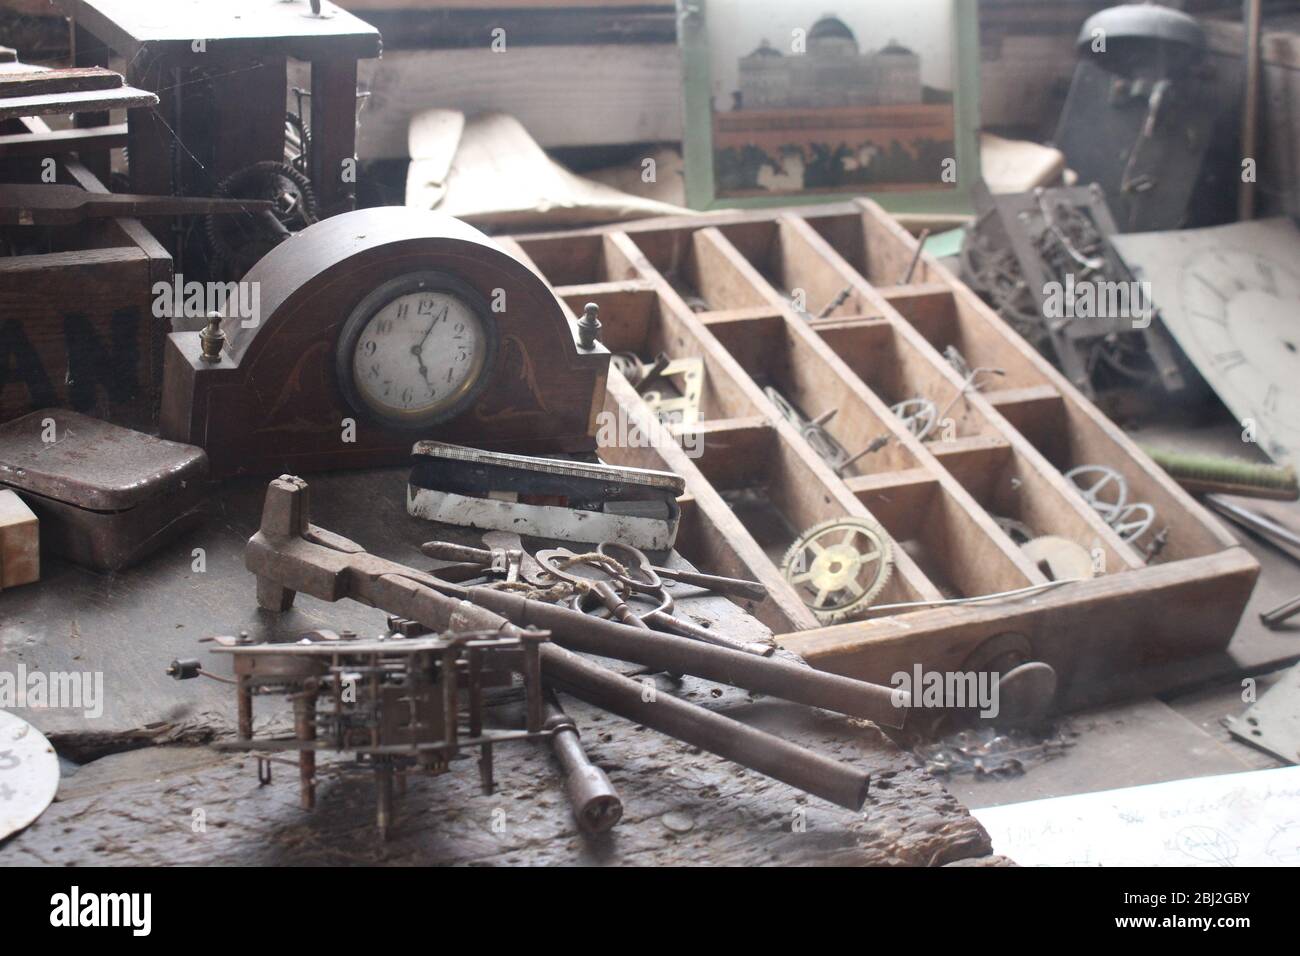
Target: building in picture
831, 73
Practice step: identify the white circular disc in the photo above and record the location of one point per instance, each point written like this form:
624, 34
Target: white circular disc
29, 773
1065, 559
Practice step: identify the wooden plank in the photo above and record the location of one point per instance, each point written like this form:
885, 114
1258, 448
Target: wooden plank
20, 542
90, 101
1183, 610
743, 314
57, 142
71, 80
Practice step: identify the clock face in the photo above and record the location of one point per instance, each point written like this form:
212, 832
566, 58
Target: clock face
1242, 311
416, 350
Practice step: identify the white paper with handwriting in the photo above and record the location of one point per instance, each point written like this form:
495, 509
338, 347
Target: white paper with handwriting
1237, 819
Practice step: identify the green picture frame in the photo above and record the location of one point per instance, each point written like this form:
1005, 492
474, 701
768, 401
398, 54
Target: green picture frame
698, 125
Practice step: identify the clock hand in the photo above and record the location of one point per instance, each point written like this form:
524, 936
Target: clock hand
418, 349
419, 357
429, 331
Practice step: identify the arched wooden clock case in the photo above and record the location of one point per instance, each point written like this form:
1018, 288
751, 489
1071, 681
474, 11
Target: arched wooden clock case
280, 400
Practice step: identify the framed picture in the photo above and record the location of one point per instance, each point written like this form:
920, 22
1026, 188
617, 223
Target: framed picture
873, 97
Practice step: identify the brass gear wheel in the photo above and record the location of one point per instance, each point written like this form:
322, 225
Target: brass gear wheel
839, 567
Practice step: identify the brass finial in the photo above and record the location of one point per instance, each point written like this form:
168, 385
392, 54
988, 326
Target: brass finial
589, 326
212, 339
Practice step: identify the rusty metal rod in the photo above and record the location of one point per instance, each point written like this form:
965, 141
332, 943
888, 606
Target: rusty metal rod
680, 626
679, 655
1281, 614
460, 553
758, 750
289, 554
730, 739
731, 587
596, 804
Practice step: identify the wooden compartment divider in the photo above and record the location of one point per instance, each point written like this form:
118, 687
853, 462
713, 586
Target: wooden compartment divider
818, 303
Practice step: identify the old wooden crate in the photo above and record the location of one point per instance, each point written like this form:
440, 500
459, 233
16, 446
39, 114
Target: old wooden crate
77, 322
725, 287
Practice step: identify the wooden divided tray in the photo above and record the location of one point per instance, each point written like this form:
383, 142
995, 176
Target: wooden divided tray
808, 301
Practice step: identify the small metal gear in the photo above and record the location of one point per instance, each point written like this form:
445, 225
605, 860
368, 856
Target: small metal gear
919, 416
238, 241
839, 567
1102, 487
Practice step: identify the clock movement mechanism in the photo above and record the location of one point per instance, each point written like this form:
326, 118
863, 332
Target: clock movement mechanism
378, 328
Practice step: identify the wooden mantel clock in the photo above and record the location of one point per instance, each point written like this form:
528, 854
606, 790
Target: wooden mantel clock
379, 328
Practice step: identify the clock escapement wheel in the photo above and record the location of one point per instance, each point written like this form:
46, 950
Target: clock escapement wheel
919, 416
839, 567
1103, 488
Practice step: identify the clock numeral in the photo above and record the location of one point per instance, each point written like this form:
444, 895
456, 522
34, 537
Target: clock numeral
1271, 399
369, 346
402, 309
384, 326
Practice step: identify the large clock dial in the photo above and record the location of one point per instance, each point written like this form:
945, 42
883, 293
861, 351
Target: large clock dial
1242, 310
416, 350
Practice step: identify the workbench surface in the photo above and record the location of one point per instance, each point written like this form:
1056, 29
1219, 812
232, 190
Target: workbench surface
119, 805
185, 803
